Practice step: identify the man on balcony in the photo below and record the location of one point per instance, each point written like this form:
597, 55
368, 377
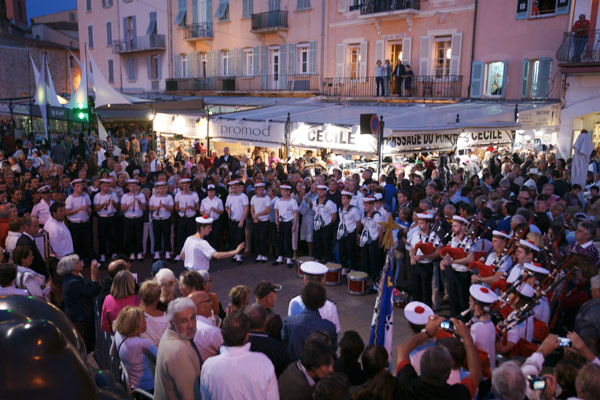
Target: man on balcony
399, 73
581, 30
379, 73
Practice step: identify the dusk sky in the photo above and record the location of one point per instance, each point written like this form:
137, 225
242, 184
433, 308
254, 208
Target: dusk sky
35, 8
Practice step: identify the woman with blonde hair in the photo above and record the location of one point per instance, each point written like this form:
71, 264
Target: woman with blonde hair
122, 294
239, 296
156, 320
135, 351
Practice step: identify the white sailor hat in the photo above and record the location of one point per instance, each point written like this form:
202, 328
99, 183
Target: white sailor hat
322, 187
260, 184
45, 189
460, 218
424, 216
529, 245
417, 313
534, 171
288, 187
233, 182
136, 172
501, 234
526, 290
483, 294
160, 183
368, 199
185, 180
133, 181
536, 268
347, 193
76, 181
313, 268
210, 187
205, 219
378, 196
105, 180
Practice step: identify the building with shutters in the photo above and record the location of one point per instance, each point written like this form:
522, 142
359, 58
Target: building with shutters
129, 40
579, 60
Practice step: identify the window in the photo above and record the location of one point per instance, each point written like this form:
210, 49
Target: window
353, 60
154, 61
443, 53
248, 62
494, 79
223, 10
184, 66
108, 33
88, 5
111, 72
303, 55
395, 53
180, 17
90, 37
535, 82
303, 4
248, 8
225, 63
107, 3
541, 8
72, 16
203, 62
131, 69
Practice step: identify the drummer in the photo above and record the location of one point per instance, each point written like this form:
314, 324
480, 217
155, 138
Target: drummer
346, 233
315, 272
483, 330
417, 314
422, 264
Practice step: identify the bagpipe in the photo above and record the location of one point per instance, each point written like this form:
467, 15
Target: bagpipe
425, 247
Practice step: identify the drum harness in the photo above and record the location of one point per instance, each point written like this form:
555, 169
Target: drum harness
365, 236
342, 230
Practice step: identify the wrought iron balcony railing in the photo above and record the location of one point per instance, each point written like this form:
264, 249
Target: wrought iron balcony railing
198, 31
139, 43
579, 50
270, 21
380, 6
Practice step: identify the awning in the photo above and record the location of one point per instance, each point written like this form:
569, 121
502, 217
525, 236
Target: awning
266, 131
140, 111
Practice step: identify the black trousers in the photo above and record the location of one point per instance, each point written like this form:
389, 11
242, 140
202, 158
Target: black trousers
458, 284
107, 236
284, 239
237, 235
322, 241
214, 237
421, 278
162, 234
81, 233
186, 226
134, 229
261, 234
370, 259
347, 246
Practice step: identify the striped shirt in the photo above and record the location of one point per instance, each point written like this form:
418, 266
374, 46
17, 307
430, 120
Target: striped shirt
587, 249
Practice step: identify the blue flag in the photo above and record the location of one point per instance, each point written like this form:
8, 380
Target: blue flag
382, 326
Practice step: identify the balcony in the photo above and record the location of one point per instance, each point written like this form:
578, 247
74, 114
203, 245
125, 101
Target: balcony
271, 21
577, 51
429, 86
139, 44
247, 84
199, 31
369, 7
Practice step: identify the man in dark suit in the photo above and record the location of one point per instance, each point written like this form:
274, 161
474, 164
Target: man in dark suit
226, 158
398, 74
31, 226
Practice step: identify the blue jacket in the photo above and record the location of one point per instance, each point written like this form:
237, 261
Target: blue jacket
79, 295
297, 328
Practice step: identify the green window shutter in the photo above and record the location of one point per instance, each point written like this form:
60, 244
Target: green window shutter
477, 69
312, 57
562, 7
543, 78
525, 79
255, 64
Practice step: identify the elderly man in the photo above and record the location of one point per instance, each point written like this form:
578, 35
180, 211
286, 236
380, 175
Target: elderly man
587, 321
178, 363
238, 373
208, 337
31, 227
584, 241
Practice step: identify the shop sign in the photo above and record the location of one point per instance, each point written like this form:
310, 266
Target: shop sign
250, 131
540, 116
334, 137
58, 113
419, 141
186, 125
485, 138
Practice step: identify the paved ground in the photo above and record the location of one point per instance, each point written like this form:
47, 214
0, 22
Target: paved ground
355, 312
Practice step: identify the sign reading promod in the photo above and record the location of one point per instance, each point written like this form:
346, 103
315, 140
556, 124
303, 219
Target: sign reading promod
272, 132
335, 137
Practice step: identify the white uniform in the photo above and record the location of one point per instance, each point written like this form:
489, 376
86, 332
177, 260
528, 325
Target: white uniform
522, 331
484, 337
417, 237
371, 226
323, 211
542, 310
260, 204
466, 242
162, 213
504, 266
197, 253
236, 204
110, 209
328, 311
206, 204
60, 238
286, 208
515, 273
135, 211
73, 202
42, 211
187, 199
349, 218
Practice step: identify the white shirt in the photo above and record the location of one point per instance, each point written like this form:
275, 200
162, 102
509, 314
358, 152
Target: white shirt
73, 202
187, 199
484, 337
542, 310
522, 331
286, 208
207, 204
42, 211
260, 204
328, 311
110, 209
371, 225
197, 253
506, 264
349, 218
31, 281
515, 273
236, 204
208, 338
155, 327
466, 242
11, 242
419, 236
162, 213
240, 374
324, 211
61, 241
134, 211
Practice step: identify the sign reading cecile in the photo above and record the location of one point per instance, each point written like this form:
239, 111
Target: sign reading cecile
271, 132
334, 137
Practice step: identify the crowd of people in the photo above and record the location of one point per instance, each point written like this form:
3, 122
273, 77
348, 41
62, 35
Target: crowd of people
507, 242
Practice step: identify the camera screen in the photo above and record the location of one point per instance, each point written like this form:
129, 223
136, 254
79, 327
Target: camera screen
539, 384
564, 342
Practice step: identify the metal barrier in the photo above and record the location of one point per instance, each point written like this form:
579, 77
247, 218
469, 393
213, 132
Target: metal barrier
579, 49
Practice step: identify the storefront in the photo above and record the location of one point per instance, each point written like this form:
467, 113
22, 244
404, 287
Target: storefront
175, 130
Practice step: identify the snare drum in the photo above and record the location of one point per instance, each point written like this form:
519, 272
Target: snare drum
334, 274
299, 262
357, 283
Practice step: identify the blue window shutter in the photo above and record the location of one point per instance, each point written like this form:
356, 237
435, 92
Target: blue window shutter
125, 30
131, 74
209, 15
283, 67
152, 25
255, 65
274, 5
209, 63
195, 12
176, 66
217, 63
292, 58
134, 31
543, 78
504, 80
477, 69
109, 33
562, 7
91, 37
525, 79
149, 67
312, 57
159, 66
522, 9
238, 61
263, 65
111, 72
